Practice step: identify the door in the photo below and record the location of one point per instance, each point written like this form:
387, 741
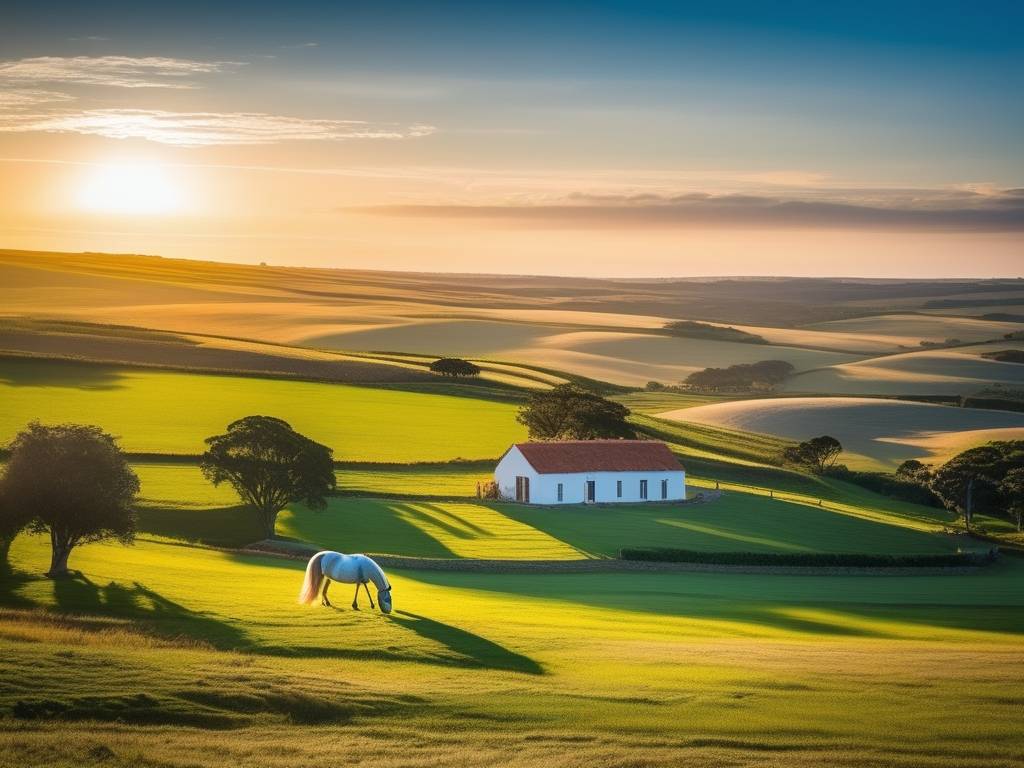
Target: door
591, 490
523, 489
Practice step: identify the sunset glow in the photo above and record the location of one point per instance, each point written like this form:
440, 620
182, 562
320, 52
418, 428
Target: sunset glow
129, 189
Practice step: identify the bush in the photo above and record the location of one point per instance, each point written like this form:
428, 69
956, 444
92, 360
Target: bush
453, 366
809, 559
695, 330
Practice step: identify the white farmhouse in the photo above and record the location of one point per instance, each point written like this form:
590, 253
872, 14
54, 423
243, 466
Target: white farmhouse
586, 471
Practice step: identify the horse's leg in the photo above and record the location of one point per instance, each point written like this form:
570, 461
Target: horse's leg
323, 597
355, 600
368, 594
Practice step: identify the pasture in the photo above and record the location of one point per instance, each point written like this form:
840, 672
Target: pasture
875, 433
378, 513
564, 670
171, 413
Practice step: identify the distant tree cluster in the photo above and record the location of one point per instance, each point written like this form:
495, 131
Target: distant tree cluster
819, 453
454, 367
763, 375
988, 478
569, 412
694, 330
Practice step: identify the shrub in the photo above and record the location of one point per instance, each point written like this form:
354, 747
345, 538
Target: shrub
454, 367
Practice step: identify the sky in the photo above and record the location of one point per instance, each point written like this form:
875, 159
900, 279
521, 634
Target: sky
601, 139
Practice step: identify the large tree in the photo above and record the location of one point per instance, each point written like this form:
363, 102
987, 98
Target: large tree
818, 453
972, 481
72, 482
569, 412
270, 465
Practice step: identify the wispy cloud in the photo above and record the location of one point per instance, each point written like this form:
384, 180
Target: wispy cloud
955, 210
25, 98
193, 129
115, 71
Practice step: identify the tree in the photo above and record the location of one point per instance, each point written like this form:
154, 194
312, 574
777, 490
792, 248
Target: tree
453, 366
818, 453
742, 377
269, 465
1012, 489
972, 480
569, 412
72, 482
913, 471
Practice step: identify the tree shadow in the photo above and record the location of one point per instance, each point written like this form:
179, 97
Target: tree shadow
151, 611
28, 372
474, 650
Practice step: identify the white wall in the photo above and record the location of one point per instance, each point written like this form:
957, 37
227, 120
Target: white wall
514, 464
544, 488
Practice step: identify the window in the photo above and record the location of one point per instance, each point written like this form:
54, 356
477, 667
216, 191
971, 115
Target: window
618, 489
664, 489
643, 489
560, 492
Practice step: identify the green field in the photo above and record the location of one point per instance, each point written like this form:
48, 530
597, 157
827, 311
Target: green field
173, 655
163, 412
178, 501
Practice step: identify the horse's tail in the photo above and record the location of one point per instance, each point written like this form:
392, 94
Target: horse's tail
311, 584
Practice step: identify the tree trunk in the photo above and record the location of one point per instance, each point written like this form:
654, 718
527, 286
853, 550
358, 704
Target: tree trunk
270, 522
5, 549
60, 550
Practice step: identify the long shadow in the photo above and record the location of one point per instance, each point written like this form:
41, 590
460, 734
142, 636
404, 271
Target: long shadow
804, 604
17, 372
475, 651
153, 612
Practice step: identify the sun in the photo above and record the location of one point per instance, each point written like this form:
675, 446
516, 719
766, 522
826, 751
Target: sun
137, 188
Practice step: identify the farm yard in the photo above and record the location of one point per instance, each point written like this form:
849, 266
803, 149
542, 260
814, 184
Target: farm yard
188, 647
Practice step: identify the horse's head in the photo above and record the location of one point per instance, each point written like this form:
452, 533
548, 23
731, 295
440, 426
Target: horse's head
384, 599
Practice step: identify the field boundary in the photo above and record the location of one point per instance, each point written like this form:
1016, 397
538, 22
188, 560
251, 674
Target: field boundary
300, 551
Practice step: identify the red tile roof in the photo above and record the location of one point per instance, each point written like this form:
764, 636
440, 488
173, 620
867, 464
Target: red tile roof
569, 456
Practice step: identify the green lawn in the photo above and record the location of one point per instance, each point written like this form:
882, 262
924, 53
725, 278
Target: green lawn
166, 412
522, 670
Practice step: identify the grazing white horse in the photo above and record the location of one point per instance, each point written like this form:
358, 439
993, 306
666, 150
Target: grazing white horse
348, 569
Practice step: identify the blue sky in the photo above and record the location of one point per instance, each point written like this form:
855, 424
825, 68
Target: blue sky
891, 105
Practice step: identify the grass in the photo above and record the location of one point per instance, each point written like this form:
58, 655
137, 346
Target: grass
167, 412
538, 670
177, 502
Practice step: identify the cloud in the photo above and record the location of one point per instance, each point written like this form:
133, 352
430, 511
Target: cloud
25, 98
115, 71
194, 129
922, 210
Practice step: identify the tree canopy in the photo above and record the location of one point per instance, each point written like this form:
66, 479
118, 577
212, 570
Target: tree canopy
454, 366
270, 465
72, 482
984, 476
818, 453
740, 378
569, 412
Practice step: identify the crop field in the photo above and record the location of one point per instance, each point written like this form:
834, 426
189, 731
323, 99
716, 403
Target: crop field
162, 412
958, 371
637, 669
874, 433
910, 330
